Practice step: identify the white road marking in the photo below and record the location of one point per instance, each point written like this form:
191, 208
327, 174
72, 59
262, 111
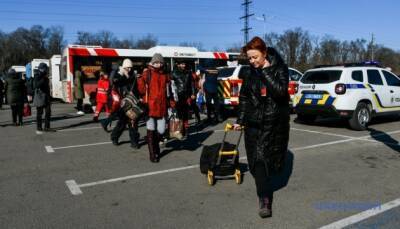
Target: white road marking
195, 166
322, 144
83, 145
99, 143
49, 149
73, 187
363, 215
324, 133
79, 129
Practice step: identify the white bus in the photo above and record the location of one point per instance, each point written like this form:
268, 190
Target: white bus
91, 59
55, 77
32, 66
20, 70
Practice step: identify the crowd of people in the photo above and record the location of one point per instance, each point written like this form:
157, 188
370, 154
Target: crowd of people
158, 93
263, 106
20, 92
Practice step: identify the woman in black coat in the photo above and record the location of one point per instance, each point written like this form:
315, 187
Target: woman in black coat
42, 98
264, 113
16, 95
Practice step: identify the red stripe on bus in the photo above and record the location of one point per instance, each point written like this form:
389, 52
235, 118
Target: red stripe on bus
223, 55
71, 64
79, 52
216, 55
106, 52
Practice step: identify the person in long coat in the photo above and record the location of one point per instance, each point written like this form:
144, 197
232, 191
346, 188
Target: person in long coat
41, 85
264, 115
79, 92
16, 95
153, 87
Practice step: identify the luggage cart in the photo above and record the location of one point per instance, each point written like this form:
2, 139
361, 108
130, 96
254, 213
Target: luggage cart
226, 160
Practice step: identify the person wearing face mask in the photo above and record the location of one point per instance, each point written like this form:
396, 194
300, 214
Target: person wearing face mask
264, 115
153, 87
124, 81
42, 98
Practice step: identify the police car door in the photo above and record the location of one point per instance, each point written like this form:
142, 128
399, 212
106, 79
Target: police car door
393, 83
378, 89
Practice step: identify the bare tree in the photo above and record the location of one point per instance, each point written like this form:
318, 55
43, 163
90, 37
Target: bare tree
146, 42
237, 47
55, 41
105, 38
197, 45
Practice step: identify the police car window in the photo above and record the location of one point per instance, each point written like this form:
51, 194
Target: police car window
374, 77
225, 72
391, 79
293, 75
357, 76
321, 77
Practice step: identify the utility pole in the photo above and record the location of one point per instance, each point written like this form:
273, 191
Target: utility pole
372, 47
246, 20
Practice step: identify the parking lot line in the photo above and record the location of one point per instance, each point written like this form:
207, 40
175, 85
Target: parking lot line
83, 145
75, 188
363, 215
50, 149
324, 133
79, 129
323, 144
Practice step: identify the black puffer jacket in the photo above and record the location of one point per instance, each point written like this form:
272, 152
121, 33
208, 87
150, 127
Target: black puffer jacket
122, 84
183, 82
266, 115
15, 89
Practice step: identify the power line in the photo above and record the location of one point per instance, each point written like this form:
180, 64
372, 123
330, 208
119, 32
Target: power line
246, 20
18, 12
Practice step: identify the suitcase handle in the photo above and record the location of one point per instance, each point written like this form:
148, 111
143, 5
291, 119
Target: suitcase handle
229, 127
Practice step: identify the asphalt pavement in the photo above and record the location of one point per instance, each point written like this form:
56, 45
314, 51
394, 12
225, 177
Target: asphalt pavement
75, 178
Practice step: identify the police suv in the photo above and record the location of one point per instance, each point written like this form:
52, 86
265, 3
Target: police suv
357, 92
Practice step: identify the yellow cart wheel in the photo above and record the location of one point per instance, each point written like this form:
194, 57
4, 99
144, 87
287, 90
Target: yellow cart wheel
210, 178
238, 176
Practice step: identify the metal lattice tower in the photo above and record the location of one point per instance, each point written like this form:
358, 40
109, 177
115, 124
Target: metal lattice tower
246, 17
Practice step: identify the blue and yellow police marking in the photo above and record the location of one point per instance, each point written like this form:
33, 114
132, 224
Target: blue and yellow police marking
326, 100
378, 103
355, 86
323, 100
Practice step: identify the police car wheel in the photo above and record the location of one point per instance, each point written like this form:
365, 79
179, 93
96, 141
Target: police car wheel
361, 117
308, 119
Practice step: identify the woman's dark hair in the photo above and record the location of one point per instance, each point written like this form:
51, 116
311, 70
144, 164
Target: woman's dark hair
255, 43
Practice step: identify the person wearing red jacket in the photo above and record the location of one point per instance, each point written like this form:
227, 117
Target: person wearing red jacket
103, 86
153, 87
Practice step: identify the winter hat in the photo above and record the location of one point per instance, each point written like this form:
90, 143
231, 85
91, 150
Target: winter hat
11, 73
157, 57
43, 68
127, 63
